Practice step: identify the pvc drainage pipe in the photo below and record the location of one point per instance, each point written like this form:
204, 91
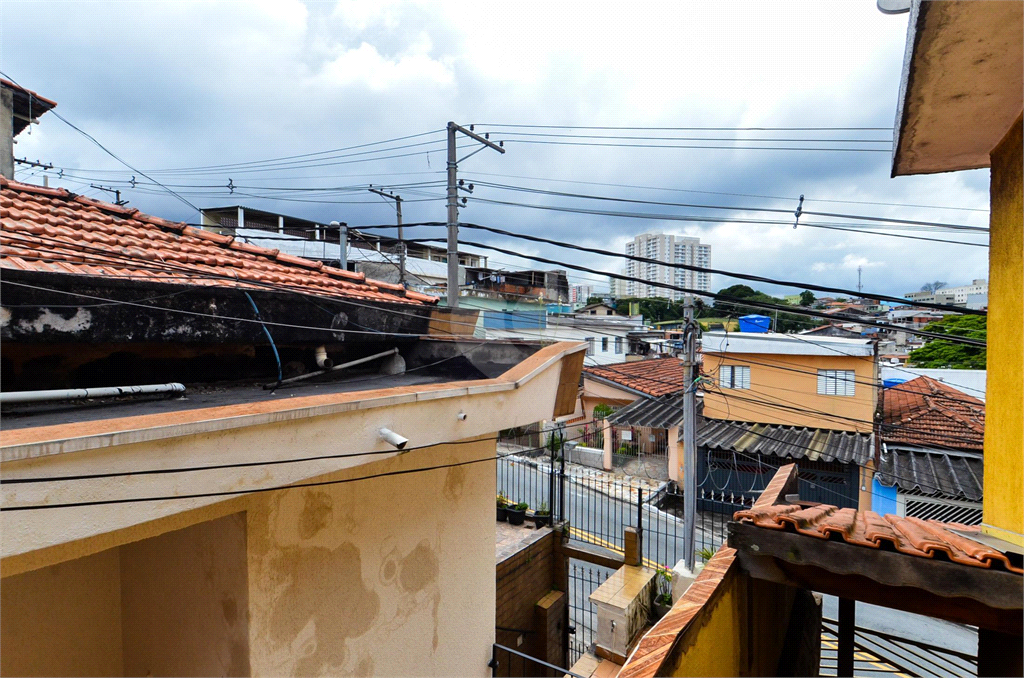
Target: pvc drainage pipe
82, 393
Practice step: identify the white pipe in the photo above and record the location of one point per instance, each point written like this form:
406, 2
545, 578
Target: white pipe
351, 363
322, 361
80, 393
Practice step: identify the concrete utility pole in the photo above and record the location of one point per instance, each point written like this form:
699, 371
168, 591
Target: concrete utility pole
343, 243
453, 206
690, 435
401, 238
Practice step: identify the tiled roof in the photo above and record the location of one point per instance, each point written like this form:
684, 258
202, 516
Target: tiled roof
664, 412
655, 377
912, 536
958, 476
784, 441
53, 231
27, 105
927, 412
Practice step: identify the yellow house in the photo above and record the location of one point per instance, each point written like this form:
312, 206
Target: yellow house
960, 108
790, 380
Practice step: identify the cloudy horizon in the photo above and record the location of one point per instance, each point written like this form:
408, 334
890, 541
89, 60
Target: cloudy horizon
168, 86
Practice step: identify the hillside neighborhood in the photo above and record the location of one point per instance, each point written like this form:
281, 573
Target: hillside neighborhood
252, 421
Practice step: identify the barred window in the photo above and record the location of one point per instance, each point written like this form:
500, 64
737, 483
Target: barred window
836, 382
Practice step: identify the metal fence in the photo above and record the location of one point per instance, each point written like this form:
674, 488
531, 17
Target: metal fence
508, 662
584, 578
878, 653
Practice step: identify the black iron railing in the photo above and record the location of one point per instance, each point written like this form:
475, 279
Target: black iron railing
508, 662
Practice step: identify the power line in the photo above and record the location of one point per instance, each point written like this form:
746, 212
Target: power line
687, 129
718, 296
733, 208
740, 195
675, 146
654, 138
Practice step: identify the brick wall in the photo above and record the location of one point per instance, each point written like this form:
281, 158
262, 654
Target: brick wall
524, 580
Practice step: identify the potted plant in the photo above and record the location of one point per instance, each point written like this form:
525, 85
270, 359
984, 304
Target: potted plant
502, 507
542, 516
663, 592
517, 513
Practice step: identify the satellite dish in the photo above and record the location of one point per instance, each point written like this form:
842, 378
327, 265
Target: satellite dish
893, 6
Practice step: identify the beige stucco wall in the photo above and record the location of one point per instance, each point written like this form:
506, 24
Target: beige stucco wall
63, 620
783, 384
184, 602
390, 576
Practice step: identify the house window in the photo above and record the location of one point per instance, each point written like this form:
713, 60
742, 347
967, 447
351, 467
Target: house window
618, 344
836, 382
604, 344
590, 345
734, 376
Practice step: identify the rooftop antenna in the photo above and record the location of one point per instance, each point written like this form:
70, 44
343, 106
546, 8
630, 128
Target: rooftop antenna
860, 287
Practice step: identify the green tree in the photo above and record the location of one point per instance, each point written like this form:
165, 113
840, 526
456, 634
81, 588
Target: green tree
942, 353
806, 298
781, 321
594, 300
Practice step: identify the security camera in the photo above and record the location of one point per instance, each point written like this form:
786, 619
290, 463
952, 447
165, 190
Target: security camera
393, 439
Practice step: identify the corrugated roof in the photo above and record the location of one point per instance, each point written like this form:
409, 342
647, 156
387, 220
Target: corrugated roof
933, 473
927, 412
53, 231
655, 377
785, 441
912, 536
663, 412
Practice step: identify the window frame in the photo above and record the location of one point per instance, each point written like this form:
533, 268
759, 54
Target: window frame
841, 383
731, 382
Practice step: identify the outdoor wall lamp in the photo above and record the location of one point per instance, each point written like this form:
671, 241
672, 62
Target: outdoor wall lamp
393, 439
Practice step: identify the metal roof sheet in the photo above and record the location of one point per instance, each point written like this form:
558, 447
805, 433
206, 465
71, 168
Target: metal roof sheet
958, 476
785, 441
663, 412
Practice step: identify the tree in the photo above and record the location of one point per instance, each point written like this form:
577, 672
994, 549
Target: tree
594, 300
781, 321
806, 298
933, 286
942, 353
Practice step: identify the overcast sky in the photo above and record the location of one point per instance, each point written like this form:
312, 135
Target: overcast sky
183, 85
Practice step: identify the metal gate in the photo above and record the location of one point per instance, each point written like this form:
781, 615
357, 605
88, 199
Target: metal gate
584, 578
746, 475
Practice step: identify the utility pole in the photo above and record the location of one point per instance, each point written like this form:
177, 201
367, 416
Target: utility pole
342, 243
860, 288
401, 238
117, 193
690, 436
453, 205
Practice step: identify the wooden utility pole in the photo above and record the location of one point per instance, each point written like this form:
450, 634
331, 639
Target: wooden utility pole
690, 435
401, 238
453, 206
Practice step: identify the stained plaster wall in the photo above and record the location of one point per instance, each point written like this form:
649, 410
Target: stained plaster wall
389, 576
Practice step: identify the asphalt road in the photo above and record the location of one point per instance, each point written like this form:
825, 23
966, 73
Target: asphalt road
597, 518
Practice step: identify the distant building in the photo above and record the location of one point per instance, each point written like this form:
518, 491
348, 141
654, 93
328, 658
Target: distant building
580, 294
619, 288
975, 293
671, 249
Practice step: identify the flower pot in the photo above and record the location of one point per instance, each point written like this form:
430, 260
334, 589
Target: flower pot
661, 609
541, 520
515, 516
502, 514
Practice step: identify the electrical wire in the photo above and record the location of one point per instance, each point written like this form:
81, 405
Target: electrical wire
687, 129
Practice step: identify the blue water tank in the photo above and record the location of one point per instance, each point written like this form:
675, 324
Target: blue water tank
889, 383
755, 323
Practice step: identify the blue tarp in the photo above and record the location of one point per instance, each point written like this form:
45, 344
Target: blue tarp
515, 320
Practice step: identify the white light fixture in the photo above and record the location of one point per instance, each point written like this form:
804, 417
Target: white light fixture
393, 439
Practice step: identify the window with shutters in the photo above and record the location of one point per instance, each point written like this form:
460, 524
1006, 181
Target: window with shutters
734, 376
604, 344
836, 382
618, 344
590, 345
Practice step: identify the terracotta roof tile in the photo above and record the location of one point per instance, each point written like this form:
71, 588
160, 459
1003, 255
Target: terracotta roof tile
51, 230
655, 377
927, 412
912, 536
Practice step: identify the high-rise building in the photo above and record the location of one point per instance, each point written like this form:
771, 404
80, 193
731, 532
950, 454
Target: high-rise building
674, 249
578, 294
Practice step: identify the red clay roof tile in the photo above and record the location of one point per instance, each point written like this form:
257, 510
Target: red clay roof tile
51, 230
924, 411
912, 536
655, 377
